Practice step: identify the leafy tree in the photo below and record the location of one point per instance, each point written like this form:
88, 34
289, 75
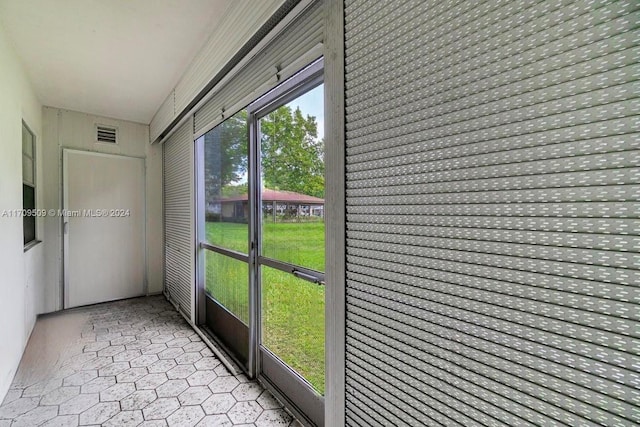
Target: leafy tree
292, 154
225, 155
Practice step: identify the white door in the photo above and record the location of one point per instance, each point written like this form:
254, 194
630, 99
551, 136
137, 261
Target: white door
104, 227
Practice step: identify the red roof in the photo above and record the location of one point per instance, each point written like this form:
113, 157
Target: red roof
278, 196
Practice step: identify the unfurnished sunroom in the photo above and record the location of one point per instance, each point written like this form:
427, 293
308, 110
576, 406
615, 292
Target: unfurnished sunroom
319, 212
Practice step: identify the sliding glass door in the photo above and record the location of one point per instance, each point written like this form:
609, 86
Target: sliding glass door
263, 239
287, 134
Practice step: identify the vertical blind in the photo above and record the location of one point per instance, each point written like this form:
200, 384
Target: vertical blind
493, 171
178, 187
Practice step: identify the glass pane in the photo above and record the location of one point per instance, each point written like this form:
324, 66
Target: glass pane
292, 172
27, 141
27, 169
227, 281
225, 182
28, 222
293, 323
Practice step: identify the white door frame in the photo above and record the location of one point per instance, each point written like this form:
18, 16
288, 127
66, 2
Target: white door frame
64, 221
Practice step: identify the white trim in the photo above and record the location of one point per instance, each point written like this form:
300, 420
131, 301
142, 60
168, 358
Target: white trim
65, 236
335, 273
194, 223
200, 232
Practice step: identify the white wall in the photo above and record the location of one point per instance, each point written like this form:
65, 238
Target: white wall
21, 274
70, 129
155, 230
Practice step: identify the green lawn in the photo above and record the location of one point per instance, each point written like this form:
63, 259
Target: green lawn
292, 309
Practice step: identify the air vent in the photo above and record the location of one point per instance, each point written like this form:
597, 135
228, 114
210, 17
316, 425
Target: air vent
106, 134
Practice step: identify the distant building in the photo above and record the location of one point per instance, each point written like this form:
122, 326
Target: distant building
277, 205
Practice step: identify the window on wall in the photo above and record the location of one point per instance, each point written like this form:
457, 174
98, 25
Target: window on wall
28, 185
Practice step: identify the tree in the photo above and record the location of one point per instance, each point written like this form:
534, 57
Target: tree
225, 156
292, 155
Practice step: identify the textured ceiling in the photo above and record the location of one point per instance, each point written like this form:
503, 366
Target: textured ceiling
115, 58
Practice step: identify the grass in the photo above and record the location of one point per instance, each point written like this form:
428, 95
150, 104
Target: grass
292, 309
300, 243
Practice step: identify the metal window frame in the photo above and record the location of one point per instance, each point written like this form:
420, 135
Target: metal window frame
202, 300
301, 83
304, 81
335, 218
31, 243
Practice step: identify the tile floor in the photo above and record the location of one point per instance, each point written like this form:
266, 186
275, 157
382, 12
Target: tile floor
134, 363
